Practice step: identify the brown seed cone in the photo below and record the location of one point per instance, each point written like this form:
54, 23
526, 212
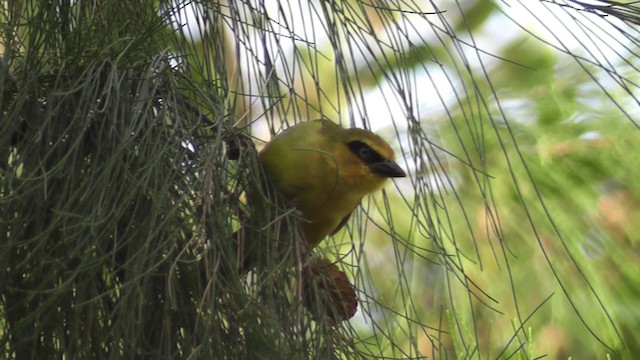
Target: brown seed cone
328, 292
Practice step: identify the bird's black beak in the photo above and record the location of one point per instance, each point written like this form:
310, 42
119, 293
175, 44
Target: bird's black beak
388, 169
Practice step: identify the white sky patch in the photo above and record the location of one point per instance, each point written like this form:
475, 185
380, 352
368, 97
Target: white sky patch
432, 93
591, 135
567, 28
188, 145
186, 16
520, 110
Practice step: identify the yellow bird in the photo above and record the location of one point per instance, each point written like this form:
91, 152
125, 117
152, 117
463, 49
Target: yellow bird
325, 170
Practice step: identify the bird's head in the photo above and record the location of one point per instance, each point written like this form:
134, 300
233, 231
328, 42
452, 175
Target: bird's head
366, 160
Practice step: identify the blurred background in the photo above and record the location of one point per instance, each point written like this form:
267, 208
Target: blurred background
515, 235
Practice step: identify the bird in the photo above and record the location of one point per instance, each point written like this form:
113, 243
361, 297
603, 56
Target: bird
324, 171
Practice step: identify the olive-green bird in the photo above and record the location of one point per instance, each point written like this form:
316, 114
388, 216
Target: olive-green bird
324, 170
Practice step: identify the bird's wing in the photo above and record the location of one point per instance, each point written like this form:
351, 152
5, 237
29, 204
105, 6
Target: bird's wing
342, 223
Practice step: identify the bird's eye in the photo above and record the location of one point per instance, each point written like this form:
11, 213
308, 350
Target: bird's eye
364, 152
